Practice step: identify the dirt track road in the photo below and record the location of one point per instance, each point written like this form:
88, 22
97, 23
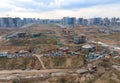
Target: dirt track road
39, 58
31, 71
26, 74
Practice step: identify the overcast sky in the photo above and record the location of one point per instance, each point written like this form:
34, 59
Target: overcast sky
60, 8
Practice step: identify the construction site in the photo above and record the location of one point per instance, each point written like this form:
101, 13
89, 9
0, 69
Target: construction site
52, 54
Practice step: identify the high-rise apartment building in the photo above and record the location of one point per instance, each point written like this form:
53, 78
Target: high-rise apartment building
69, 21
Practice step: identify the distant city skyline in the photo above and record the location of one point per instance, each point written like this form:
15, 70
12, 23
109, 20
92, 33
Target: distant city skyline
66, 21
56, 9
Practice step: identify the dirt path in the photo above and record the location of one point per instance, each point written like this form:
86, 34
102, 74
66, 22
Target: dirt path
7, 75
30, 71
39, 58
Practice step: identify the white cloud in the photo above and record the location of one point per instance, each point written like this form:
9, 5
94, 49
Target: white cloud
58, 3
55, 8
96, 11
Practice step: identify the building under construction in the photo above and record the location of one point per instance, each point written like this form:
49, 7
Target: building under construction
80, 39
